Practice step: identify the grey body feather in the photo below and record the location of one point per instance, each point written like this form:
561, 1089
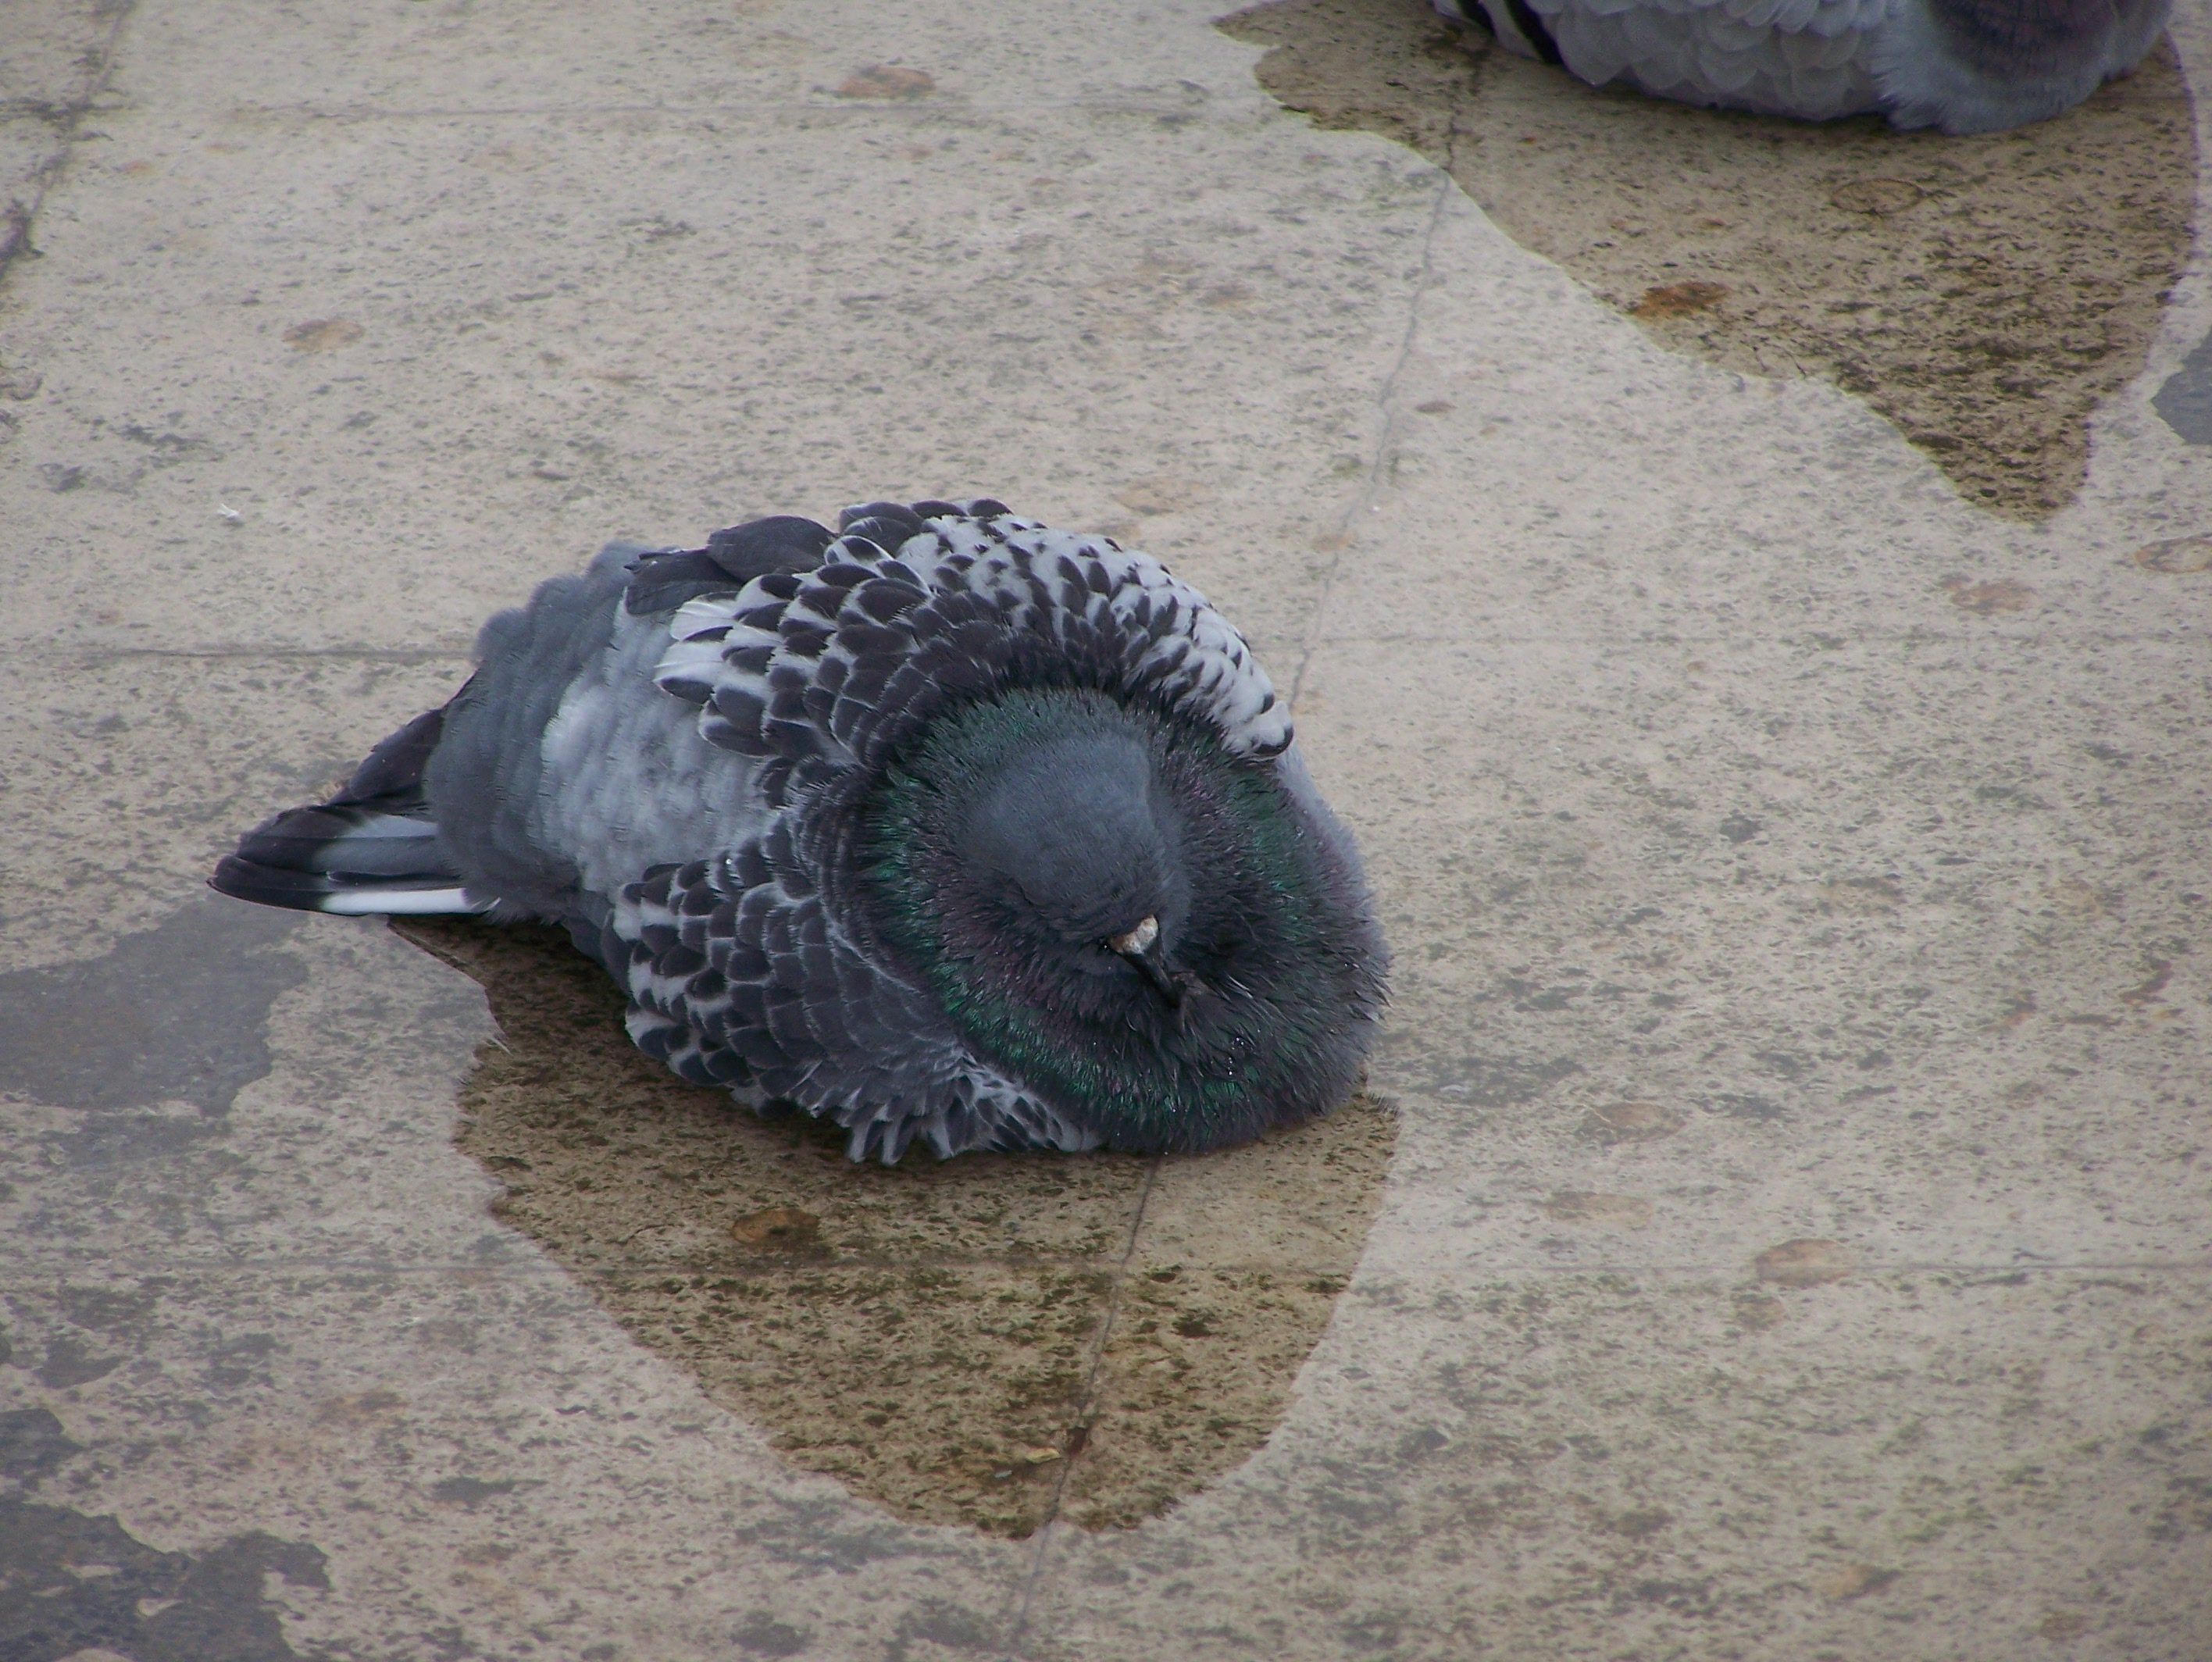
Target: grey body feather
1981, 66
690, 758
486, 781
557, 781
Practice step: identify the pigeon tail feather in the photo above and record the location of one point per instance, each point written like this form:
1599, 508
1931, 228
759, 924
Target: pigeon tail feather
371, 849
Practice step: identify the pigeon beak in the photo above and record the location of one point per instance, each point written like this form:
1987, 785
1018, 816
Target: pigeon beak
1141, 947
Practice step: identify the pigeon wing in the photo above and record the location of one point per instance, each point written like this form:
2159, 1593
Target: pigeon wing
759, 969
913, 609
741, 975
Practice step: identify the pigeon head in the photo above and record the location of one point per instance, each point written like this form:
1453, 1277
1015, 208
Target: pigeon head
1080, 844
1136, 923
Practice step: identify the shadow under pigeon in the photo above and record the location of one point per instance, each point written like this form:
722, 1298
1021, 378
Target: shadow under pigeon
993, 1341
1985, 294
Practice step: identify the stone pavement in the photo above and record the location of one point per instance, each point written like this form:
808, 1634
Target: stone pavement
1781, 1224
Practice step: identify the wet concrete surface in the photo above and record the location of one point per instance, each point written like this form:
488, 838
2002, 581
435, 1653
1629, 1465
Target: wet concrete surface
78, 1586
1987, 294
1787, 1234
176, 1014
2184, 400
996, 1341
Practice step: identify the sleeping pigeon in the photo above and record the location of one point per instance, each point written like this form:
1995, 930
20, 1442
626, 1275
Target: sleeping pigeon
945, 825
1967, 66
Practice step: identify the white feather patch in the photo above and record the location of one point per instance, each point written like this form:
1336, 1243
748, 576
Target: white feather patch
402, 903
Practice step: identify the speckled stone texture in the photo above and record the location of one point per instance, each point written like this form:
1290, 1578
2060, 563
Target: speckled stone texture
1794, 1242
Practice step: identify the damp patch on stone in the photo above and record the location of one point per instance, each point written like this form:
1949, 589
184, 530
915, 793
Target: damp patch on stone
73, 1586
2183, 399
177, 1013
994, 1341
1985, 294
32, 1445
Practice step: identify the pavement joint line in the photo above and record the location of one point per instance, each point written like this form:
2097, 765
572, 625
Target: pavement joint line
940, 108
1712, 678
35, 109
1025, 1595
17, 217
2176, 636
1385, 441
93, 655
1361, 1281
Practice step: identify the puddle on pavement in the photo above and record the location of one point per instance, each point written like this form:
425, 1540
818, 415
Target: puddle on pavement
90, 1588
179, 1012
979, 1342
1985, 294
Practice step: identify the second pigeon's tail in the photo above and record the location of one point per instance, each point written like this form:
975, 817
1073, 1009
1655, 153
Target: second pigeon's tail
371, 849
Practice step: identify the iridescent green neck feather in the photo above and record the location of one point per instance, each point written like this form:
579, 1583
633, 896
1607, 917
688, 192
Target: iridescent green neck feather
1255, 906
